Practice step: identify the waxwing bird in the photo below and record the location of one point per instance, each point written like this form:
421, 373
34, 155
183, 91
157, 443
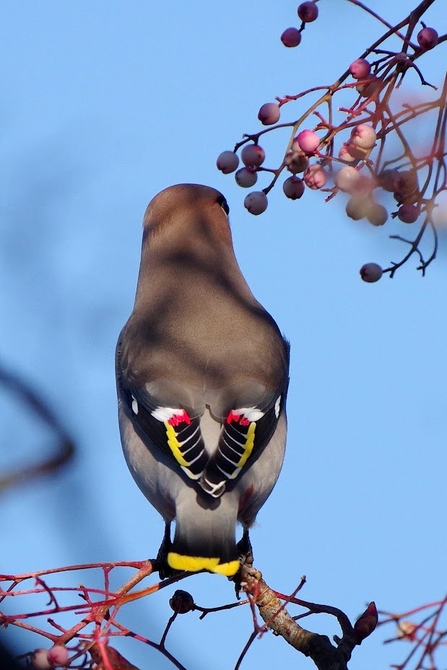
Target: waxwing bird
202, 376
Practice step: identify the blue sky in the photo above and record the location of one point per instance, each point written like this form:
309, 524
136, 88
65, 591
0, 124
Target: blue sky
103, 105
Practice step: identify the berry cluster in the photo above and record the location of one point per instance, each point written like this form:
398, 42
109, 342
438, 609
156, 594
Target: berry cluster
345, 150
308, 12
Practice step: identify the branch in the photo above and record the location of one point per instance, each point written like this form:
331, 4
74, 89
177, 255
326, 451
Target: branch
318, 647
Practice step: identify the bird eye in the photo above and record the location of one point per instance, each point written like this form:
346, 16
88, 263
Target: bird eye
223, 203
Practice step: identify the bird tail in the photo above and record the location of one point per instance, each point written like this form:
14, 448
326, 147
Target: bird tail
204, 536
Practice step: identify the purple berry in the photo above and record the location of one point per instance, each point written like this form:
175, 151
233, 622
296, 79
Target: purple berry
252, 155
360, 68
308, 11
291, 37
427, 38
406, 187
296, 161
408, 213
182, 602
256, 202
293, 188
371, 272
227, 162
387, 179
246, 177
269, 113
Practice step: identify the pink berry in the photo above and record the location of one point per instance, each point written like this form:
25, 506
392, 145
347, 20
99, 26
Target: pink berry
377, 214
345, 154
296, 161
39, 659
227, 162
315, 177
308, 141
371, 272
256, 202
360, 68
308, 11
357, 152
246, 177
408, 213
252, 155
427, 38
293, 188
347, 178
357, 206
269, 113
295, 145
363, 136
58, 656
291, 37
407, 629
368, 89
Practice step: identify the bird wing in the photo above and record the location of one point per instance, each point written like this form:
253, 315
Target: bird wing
245, 433
171, 416
177, 432
174, 430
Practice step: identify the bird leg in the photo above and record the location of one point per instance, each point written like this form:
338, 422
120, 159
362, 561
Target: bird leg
161, 562
245, 549
245, 557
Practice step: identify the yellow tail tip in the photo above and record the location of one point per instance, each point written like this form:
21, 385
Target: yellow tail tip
196, 563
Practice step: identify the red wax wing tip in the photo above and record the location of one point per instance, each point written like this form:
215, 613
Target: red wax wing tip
237, 418
181, 417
